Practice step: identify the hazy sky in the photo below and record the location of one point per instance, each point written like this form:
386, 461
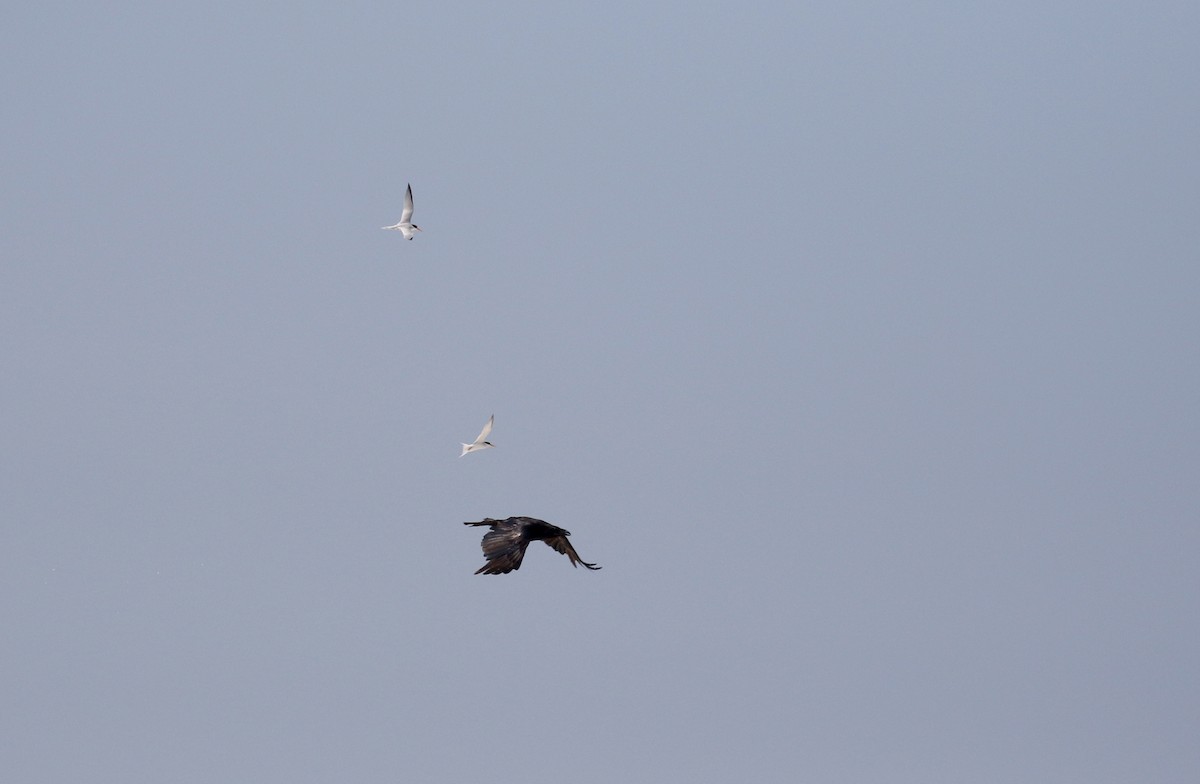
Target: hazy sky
858, 342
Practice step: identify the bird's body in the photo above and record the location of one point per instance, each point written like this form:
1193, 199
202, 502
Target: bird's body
481, 442
504, 545
406, 226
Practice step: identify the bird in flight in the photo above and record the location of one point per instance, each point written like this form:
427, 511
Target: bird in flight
504, 545
406, 226
481, 442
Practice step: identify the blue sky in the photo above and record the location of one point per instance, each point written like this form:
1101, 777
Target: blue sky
856, 342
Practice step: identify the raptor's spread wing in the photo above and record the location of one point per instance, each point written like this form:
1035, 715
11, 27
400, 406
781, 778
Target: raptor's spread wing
504, 547
563, 545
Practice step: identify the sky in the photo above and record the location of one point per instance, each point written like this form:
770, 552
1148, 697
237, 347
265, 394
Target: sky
857, 342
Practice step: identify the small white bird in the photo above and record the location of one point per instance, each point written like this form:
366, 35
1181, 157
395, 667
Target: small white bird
406, 226
481, 442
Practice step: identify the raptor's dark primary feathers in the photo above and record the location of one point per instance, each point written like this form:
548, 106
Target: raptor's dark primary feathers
504, 545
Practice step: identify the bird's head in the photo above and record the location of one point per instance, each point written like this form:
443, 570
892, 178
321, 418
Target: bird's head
415, 227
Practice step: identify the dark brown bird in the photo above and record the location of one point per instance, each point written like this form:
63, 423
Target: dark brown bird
504, 545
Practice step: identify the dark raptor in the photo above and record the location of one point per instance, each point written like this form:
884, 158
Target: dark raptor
504, 545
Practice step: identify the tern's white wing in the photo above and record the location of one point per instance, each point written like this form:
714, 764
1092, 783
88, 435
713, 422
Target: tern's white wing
487, 430
406, 216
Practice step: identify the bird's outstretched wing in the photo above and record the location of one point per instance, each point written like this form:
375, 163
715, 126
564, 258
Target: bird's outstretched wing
504, 548
563, 545
406, 215
487, 430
